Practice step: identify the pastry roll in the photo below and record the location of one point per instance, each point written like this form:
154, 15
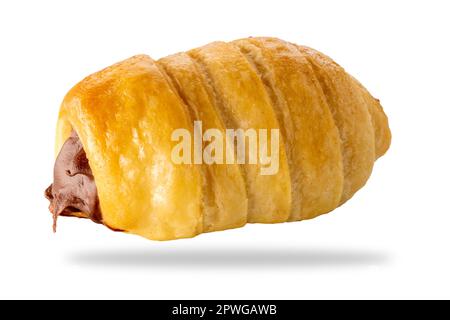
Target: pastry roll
256, 130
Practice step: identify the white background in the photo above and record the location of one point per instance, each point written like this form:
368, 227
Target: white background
390, 241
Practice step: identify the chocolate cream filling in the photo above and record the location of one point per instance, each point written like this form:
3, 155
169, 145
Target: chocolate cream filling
73, 191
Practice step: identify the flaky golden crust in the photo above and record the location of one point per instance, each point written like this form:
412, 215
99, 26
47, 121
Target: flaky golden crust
352, 118
316, 173
244, 103
124, 116
224, 193
332, 130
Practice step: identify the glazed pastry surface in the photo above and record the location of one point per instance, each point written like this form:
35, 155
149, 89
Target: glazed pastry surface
331, 132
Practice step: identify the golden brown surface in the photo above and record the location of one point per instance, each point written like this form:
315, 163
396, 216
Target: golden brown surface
316, 164
244, 103
224, 194
332, 130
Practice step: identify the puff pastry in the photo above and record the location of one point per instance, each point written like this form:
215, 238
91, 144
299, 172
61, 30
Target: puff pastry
331, 132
